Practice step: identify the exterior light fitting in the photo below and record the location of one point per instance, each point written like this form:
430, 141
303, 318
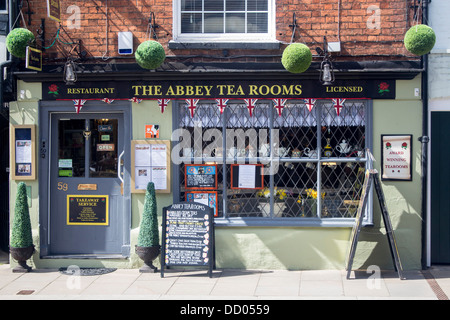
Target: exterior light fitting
70, 76
326, 72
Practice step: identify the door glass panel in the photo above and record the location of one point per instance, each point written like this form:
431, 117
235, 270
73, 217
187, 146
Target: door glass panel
103, 158
71, 148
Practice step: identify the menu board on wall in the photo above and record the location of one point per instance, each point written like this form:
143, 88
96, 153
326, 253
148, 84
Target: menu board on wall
23, 164
188, 236
151, 163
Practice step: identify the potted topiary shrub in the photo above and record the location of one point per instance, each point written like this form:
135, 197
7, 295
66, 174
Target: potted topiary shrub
18, 40
419, 39
148, 247
296, 58
150, 54
21, 244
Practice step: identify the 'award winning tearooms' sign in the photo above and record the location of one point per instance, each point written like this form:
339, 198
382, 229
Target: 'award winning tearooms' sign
396, 157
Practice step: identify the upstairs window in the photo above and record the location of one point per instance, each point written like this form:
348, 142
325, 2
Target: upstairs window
235, 20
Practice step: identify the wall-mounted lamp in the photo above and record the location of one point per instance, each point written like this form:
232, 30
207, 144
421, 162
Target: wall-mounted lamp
326, 72
70, 75
326, 67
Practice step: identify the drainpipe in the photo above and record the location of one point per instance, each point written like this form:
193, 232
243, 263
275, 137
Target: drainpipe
424, 139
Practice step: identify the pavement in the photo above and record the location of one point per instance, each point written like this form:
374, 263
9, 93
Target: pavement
226, 284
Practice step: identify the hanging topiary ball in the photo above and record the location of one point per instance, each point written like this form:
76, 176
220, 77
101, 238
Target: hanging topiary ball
420, 39
18, 40
296, 58
150, 54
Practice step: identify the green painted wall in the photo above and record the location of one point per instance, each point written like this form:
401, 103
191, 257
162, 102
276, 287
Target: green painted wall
278, 247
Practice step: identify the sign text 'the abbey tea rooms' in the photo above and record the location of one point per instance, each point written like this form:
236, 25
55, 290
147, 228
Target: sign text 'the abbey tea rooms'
210, 89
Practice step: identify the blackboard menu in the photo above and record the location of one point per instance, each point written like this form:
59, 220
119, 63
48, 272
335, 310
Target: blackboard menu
188, 236
200, 177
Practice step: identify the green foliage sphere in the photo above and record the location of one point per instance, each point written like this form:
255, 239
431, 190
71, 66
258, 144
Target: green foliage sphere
148, 232
18, 40
296, 58
150, 54
419, 39
21, 236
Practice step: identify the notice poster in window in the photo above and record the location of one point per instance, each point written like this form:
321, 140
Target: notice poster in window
201, 176
150, 162
247, 176
396, 157
208, 198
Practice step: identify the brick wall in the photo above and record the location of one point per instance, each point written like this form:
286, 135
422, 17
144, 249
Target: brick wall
347, 23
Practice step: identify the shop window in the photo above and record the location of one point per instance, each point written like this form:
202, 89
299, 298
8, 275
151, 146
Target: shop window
314, 161
229, 20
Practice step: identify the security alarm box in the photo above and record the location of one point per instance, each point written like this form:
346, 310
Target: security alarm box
125, 42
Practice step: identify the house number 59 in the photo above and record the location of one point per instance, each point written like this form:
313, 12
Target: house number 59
62, 186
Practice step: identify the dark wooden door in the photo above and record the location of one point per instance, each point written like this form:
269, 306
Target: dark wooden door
440, 187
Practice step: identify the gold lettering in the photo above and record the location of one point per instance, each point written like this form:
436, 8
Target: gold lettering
208, 90
253, 90
221, 87
170, 91
189, 90
298, 89
136, 90
180, 90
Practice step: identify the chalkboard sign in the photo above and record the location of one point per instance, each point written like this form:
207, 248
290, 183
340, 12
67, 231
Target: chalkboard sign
188, 236
371, 176
201, 176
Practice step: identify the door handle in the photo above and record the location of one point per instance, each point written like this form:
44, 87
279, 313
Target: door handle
119, 167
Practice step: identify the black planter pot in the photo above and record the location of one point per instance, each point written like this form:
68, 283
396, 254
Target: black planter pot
148, 254
21, 255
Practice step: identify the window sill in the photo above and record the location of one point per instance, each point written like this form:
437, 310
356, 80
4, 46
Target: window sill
287, 222
261, 45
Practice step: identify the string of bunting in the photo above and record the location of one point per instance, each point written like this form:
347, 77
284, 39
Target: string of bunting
279, 104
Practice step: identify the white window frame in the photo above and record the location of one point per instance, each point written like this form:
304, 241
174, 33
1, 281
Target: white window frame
223, 37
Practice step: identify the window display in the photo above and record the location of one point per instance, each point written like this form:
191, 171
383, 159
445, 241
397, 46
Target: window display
313, 160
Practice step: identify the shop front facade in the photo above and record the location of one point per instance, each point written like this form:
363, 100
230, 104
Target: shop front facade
287, 157
279, 156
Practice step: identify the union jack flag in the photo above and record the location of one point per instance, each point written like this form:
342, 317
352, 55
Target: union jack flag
338, 105
135, 100
108, 101
251, 104
279, 105
192, 104
163, 104
222, 104
78, 104
310, 103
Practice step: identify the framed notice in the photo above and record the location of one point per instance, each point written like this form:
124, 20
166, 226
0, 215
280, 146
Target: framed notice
208, 198
88, 210
247, 176
23, 152
396, 151
200, 176
150, 161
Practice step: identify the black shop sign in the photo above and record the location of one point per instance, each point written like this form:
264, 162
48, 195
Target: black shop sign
212, 89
